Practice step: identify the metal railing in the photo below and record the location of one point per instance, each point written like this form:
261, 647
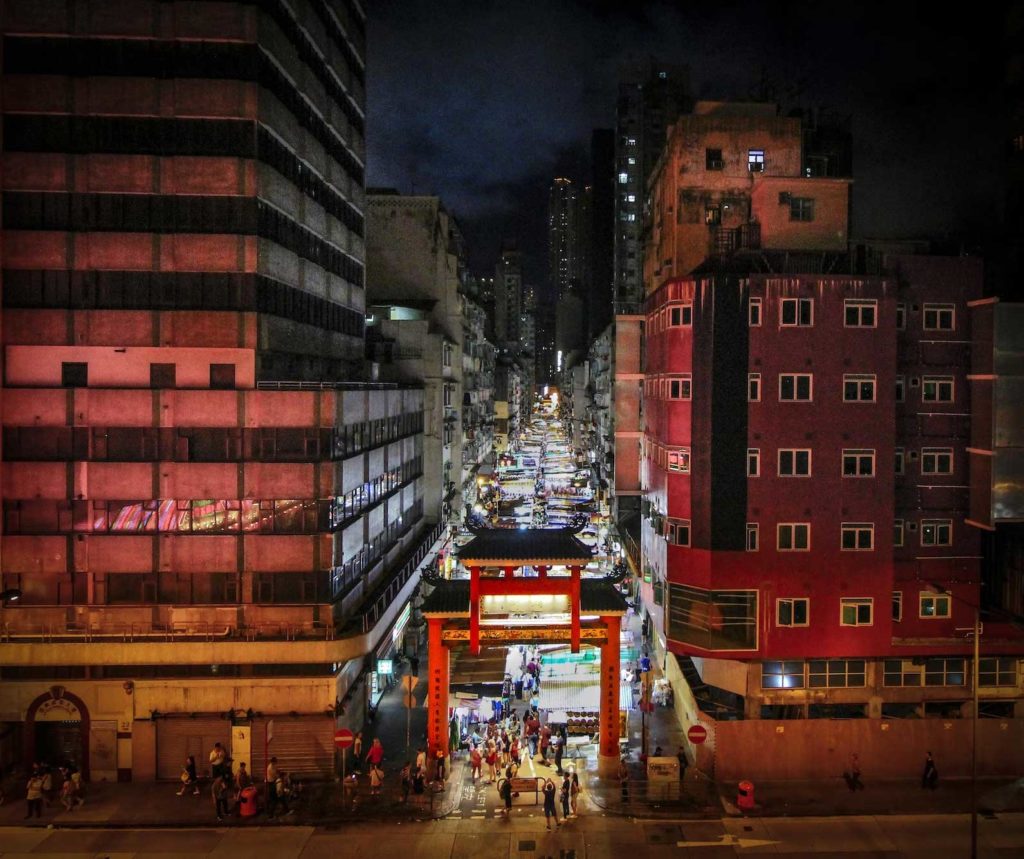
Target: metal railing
177, 631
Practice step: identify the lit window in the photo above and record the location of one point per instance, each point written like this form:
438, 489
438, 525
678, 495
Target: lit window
797, 312
855, 612
755, 160
937, 460
794, 462
858, 388
936, 532
791, 612
753, 462
857, 537
939, 317
754, 313
679, 388
934, 605
860, 313
782, 675
631, 198
631, 160
795, 387
680, 314
754, 387
679, 460
794, 537
623, 178
858, 463
801, 209
897, 605
753, 537
898, 529
937, 389
712, 215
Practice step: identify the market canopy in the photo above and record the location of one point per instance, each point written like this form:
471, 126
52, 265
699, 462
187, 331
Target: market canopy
531, 547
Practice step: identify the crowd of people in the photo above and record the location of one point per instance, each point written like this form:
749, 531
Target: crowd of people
49, 785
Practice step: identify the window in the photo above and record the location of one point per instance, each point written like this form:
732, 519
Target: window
680, 314
162, 375
901, 316
712, 215
222, 375
858, 388
936, 532
795, 387
678, 532
447, 394
792, 612
755, 160
860, 313
937, 389
933, 605
858, 463
897, 533
753, 462
679, 460
446, 355
944, 672
623, 178
939, 317
901, 389
754, 387
936, 460
801, 208
997, 671
679, 388
74, 374
857, 537
835, 673
754, 312
753, 537
898, 460
794, 537
900, 672
713, 159
897, 605
855, 611
782, 675
797, 312
794, 462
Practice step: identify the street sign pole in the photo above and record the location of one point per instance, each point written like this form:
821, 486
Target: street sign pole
408, 721
409, 682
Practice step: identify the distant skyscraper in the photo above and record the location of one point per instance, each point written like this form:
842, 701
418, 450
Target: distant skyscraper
563, 236
651, 96
508, 297
601, 231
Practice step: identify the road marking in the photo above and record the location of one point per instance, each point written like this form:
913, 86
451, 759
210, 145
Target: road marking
728, 841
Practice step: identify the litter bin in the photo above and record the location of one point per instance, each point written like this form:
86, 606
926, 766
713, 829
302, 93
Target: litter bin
247, 802
745, 795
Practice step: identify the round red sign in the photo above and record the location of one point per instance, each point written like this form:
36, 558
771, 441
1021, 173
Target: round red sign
697, 734
343, 738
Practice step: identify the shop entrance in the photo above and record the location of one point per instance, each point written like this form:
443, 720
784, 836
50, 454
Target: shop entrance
56, 731
525, 590
59, 743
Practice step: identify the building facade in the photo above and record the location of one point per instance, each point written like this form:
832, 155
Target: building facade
213, 520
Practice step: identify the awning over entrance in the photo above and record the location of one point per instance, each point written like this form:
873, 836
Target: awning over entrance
527, 547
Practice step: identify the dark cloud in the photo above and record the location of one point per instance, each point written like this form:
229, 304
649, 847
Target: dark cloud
484, 102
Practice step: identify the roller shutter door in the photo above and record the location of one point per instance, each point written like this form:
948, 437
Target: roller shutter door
303, 747
176, 739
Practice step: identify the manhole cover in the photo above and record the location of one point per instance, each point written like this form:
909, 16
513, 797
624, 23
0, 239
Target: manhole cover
527, 845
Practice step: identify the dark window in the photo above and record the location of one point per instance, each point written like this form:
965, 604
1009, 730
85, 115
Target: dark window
162, 375
801, 209
74, 374
713, 159
222, 375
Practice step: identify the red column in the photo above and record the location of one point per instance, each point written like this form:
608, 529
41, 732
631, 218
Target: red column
437, 693
574, 599
510, 572
474, 610
609, 743
542, 571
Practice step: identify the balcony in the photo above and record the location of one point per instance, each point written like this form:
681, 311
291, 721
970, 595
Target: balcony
725, 240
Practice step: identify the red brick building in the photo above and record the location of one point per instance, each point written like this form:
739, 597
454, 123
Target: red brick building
210, 518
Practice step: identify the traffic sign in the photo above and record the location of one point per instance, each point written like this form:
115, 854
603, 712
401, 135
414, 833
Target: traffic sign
697, 734
343, 738
409, 682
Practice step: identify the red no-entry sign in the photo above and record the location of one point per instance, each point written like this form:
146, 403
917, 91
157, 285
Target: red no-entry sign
343, 738
697, 734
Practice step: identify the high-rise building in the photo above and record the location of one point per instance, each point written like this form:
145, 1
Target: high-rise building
563, 237
508, 297
210, 515
600, 294
813, 435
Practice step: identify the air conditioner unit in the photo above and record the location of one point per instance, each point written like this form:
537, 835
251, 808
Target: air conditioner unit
785, 198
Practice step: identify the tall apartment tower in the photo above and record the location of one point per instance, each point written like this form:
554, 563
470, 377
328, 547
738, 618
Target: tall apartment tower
812, 434
602, 231
209, 517
508, 297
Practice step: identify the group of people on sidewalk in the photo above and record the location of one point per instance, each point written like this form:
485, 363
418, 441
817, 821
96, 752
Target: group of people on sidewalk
47, 785
231, 790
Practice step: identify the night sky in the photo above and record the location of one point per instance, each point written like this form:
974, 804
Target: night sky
485, 102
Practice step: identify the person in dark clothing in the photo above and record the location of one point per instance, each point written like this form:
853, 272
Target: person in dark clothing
930, 776
505, 791
549, 803
683, 763
559, 745
566, 793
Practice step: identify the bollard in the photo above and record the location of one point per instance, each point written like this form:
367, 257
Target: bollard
745, 795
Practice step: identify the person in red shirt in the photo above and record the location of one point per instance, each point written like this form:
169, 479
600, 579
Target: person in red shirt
376, 753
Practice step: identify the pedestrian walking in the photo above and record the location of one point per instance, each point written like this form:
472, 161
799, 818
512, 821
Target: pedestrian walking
476, 762
440, 757
683, 763
219, 792
559, 745
519, 688
34, 795
189, 777
624, 780
930, 776
505, 792
77, 788
243, 780
217, 758
852, 774
492, 762
48, 786
376, 779
574, 793
545, 742
406, 780
271, 783
67, 792
421, 760
549, 803
375, 756
566, 796
357, 751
